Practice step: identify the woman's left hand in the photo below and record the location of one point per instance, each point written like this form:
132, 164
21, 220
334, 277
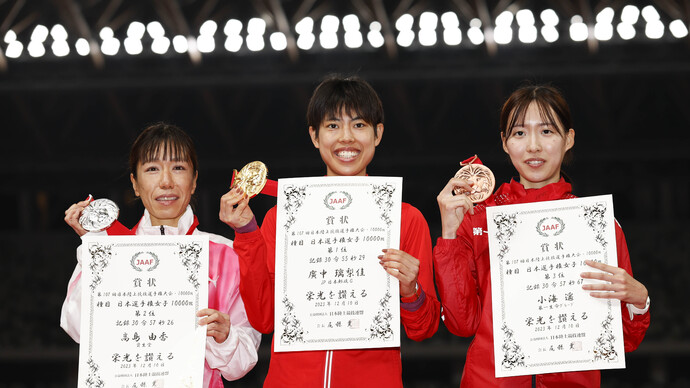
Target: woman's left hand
217, 324
403, 267
618, 284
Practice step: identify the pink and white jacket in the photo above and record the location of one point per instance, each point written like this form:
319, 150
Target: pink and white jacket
238, 354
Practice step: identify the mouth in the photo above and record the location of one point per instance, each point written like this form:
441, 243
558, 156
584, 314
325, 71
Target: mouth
167, 199
535, 162
347, 154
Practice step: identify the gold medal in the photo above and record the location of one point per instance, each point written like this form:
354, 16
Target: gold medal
251, 178
483, 180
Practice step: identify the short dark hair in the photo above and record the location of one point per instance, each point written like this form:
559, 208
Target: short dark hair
164, 141
552, 107
352, 94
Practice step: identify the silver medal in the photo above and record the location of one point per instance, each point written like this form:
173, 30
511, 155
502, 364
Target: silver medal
99, 215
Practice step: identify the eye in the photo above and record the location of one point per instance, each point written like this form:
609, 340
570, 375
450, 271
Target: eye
517, 133
180, 167
332, 126
150, 168
360, 124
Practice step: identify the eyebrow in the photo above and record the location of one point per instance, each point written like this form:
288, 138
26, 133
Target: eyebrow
522, 124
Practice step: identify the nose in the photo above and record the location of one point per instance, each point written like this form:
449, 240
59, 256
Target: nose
166, 180
533, 142
346, 135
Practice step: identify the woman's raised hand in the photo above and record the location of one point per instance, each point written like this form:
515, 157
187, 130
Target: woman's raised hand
73, 213
234, 208
453, 207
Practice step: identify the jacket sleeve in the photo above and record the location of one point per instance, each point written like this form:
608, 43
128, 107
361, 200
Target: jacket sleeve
70, 316
237, 355
458, 286
256, 252
633, 330
421, 318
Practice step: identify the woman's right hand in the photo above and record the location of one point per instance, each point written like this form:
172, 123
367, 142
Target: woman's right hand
454, 207
73, 213
234, 208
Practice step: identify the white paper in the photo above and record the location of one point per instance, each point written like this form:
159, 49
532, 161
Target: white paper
331, 292
544, 322
140, 295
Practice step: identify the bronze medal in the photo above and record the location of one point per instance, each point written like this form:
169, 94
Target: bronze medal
99, 215
483, 180
251, 178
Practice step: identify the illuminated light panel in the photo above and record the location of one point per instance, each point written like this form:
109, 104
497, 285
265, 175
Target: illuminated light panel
549, 17
10, 36
136, 30
39, 34
233, 43
625, 31
83, 47
678, 29
208, 28
578, 30
232, 27
475, 33
330, 24
374, 36
306, 41
205, 43
550, 33
58, 32
14, 49
527, 34
328, 40
354, 39
110, 46
278, 41
255, 42
603, 31
133, 46
180, 44
654, 29
305, 26
630, 14
160, 45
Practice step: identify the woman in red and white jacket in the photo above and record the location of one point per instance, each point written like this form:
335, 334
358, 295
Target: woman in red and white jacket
164, 171
537, 135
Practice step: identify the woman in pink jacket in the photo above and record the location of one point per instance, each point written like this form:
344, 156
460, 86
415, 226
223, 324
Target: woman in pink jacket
537, 134
163, 171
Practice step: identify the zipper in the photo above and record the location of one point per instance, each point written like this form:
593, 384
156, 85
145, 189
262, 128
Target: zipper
162, 230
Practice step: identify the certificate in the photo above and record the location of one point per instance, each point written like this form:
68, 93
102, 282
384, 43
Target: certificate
543, 321
331, 292
140, 295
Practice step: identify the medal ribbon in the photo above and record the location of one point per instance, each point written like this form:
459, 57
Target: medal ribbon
472, 160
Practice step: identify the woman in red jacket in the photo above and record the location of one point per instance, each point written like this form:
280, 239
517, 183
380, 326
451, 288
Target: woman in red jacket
537, 135
345, 118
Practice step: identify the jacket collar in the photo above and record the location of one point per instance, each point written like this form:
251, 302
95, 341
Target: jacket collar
186, 225
515, 192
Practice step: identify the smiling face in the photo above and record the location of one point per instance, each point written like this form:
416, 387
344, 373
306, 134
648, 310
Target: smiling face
536, 147
346, 144
163, 169
165, 187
